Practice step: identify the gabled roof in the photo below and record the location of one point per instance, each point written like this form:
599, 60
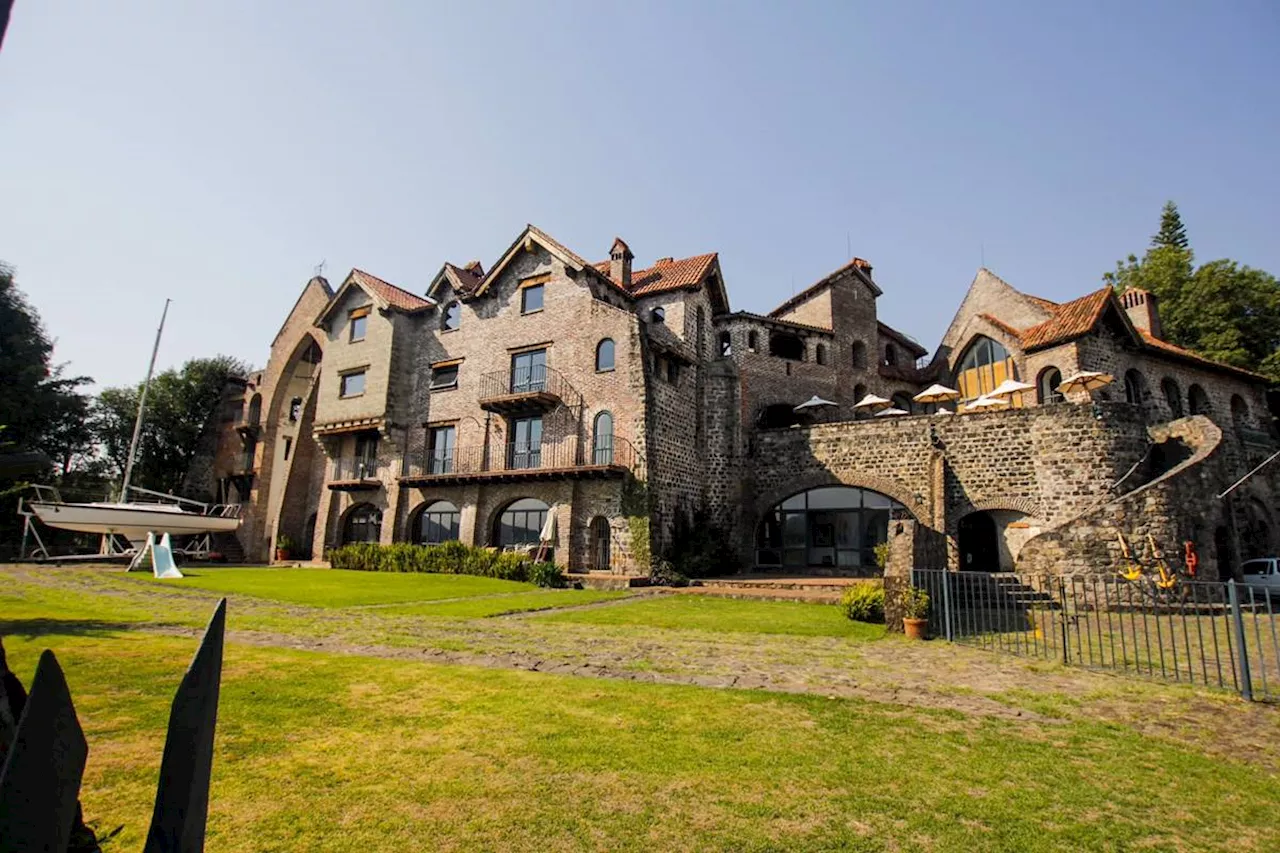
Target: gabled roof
1166, 348
1072, 320
532, 234
464, 280
901, 337
857, 266
384, 293
667, 274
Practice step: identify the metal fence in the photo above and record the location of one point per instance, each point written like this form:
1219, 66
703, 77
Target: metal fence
1223, 635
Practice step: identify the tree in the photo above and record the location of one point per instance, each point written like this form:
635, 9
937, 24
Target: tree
1223, 310
179, 406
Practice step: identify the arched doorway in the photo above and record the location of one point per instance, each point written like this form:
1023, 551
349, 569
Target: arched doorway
600, 543
520, 524
363, 524
826, 527
979, 543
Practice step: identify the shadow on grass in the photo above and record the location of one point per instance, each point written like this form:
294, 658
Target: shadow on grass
31, 628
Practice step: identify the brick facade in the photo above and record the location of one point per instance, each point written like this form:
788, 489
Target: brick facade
702, 401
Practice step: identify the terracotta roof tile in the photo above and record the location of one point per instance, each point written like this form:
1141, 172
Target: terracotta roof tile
465, 279
1070, 320
396, 297
664, 275
1188, 355
1002, 326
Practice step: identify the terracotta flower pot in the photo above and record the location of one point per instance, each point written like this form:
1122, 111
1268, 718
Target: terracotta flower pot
282, 554
915, 628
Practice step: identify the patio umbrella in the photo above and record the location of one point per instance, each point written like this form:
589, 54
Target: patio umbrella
812, 403
944, 412
890, 412
1008, 387
871, 401
984, 403
547, 537
937, 394
1085, 380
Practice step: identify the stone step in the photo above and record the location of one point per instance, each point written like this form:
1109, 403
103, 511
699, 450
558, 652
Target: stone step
605, 580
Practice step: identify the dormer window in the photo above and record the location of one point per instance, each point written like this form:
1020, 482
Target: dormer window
658, 315
531, 299
452, 317
359, 324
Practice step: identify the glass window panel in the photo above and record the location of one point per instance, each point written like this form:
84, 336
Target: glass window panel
352, 384
358, 326
795, 557
794, 528
834, 497
531, 298
872, 500
794, 502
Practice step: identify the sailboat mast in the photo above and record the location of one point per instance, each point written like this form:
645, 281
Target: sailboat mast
142, 405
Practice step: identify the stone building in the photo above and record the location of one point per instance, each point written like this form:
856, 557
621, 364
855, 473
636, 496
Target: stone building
614, 407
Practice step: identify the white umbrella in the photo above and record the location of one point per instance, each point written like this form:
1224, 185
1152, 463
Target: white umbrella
985, 403
937, 394
548, 533
871, 401
891, 412
1085, 380
944, 412
1007, 387
812, 403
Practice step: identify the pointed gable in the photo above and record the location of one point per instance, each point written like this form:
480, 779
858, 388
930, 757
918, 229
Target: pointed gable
385, 294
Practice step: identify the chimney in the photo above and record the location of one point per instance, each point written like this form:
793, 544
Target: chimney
620, 263
865, 266
1140, 305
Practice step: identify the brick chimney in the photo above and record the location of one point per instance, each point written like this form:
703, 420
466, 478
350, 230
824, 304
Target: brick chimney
620, 263
865, 266
1140, 305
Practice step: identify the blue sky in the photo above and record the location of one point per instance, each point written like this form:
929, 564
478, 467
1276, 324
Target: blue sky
216, 152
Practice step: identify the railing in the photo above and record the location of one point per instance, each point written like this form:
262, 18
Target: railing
526, 380
350, 470
561, 454
1224, 635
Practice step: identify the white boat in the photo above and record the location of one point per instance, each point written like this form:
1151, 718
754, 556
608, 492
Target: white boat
133, 521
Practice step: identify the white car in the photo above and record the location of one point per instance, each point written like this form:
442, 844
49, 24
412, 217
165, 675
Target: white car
1262, 575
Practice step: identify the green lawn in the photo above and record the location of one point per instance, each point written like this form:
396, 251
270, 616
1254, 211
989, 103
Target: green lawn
518, 602
705, 613
337, 588
324, 752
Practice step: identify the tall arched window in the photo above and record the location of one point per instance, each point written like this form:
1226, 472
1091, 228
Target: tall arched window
984, 365
363, 524
859, 354
820, 354
436, 522
1047, 386
521, 523
255, 410
1198, 401
753, 341
1134, 387
604, 355
1172, 396
726, 345
600, 545
602, 446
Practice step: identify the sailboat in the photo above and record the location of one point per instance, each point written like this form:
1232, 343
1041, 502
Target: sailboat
133, 520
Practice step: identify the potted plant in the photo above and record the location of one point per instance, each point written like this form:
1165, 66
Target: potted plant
915, 612
283, 545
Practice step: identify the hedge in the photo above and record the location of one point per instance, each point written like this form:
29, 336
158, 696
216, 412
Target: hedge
447, 558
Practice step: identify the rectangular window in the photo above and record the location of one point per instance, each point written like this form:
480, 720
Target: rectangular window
366, 460
351, 384
440, 450
526, 446
529, 371
443, 377
531, 299
288, 445
359, 323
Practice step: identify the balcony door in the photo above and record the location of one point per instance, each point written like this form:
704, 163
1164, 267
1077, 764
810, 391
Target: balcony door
529, 372
366, 460
440, 458
526, 442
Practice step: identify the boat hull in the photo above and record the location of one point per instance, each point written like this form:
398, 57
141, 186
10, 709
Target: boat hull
133, 522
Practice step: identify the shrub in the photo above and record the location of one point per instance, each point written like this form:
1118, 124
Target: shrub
448, 558
361, 557
546, 574
914, 603
664, 574
863, 602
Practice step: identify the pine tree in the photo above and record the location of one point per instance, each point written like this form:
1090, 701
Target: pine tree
1172, 232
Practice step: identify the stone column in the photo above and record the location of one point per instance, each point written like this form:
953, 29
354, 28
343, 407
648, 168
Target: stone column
897, 570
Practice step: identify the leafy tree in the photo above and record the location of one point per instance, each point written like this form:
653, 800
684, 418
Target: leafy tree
1223, 310
179, 405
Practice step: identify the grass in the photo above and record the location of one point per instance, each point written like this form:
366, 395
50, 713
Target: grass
705, 613
499, 605
339, 753
338, 588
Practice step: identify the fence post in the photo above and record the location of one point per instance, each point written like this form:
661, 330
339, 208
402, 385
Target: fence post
1237, 624
1062, 617
946, 605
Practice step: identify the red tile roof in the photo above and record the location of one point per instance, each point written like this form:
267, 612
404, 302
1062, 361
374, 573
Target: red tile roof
1070, 320
664, 275
1016, 334
465, 279
1186, 354
396, 297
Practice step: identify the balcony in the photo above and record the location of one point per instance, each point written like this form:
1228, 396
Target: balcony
355, 474
563, 459
536, 389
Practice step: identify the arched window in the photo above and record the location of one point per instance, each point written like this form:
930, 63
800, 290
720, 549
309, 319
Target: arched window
820, 354
890, 355
1172, 396
521, 523
726, 345
1047, 386
602, 446
295, 410
255, 410
363, 524
786, 345
658, 315
436, 522
1134, 387
451, 317
604, 355
1239, 411
1198, 401
753, 341
859, 354
827, 526
902, 400
984, 365
600, 545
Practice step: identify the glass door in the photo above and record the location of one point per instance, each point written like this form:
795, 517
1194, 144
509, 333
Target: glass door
526, 445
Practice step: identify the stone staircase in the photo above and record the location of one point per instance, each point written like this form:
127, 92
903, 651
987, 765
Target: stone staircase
229, 547
604, 580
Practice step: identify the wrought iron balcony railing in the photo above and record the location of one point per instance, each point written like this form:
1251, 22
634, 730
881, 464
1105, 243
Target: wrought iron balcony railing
608, 456
354, 470
536, 387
